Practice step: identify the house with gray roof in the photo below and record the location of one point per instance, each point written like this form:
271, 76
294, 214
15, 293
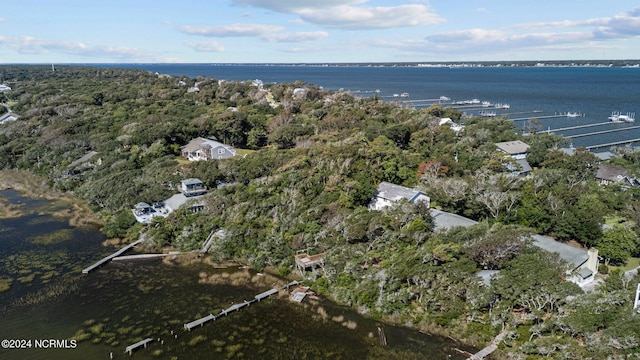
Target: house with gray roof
583, 263
206, 149
515, 148
389, 194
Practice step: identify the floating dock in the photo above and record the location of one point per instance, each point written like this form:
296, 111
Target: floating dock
108, 258
132, 347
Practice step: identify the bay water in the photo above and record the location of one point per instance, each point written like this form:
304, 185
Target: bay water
539, 92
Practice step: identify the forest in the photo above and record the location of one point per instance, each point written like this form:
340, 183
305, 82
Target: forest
309, 162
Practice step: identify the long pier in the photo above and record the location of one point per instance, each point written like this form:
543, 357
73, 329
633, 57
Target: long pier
540, 117
602, 132
612, 144
236, 307
105, 259
132, 347
139, 256
576, 127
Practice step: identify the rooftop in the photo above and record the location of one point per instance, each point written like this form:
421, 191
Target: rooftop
513, 147
567, 252
396, 192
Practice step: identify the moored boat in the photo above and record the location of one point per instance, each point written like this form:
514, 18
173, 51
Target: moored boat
619, 117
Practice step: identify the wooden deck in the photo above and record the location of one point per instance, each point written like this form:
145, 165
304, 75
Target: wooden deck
108, 258
238, 306
490, 348
139, 256
199, 322
305, 261
132, 347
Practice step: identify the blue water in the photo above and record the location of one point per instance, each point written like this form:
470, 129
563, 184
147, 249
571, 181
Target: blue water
592, 91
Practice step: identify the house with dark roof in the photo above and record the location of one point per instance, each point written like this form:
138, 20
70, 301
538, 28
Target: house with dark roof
389, 194
610, 174
192, 187
206, 149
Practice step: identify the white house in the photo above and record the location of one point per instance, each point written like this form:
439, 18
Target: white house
389, 194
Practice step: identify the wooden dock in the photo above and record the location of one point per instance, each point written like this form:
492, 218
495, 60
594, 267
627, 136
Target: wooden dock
108, 258
266, 294
199, 322
622, 142
490, 348
236, 307
575, 127
209, 241
602, 132
139, 256
132, 347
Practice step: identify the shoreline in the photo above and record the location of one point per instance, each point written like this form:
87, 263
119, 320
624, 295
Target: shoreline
79, 214
34, 186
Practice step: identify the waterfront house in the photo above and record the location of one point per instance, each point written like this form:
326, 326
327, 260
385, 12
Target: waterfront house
206, 149
192, 187
389, 194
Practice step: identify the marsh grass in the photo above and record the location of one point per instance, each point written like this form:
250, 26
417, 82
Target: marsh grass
5, 284
35, 187
52, 238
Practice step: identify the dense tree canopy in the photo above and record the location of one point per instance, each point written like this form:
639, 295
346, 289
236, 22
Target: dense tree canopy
309, 164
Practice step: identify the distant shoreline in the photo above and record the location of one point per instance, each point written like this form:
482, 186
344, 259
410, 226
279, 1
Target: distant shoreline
632, 63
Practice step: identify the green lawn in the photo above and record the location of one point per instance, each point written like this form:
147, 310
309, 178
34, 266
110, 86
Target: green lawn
632, 263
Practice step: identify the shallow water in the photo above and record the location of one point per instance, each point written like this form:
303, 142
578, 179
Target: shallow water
124, 302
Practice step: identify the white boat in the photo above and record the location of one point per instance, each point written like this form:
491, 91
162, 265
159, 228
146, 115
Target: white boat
486, 104
619, 117
573, 114
404, 95
502, 106
444, 98
487, 113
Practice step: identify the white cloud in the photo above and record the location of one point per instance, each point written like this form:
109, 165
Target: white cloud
271, 33
292, 6
231, 30
352, 17
351, 14
32, 45
295, 37
206, 46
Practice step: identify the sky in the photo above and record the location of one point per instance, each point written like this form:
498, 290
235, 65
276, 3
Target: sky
317, 31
